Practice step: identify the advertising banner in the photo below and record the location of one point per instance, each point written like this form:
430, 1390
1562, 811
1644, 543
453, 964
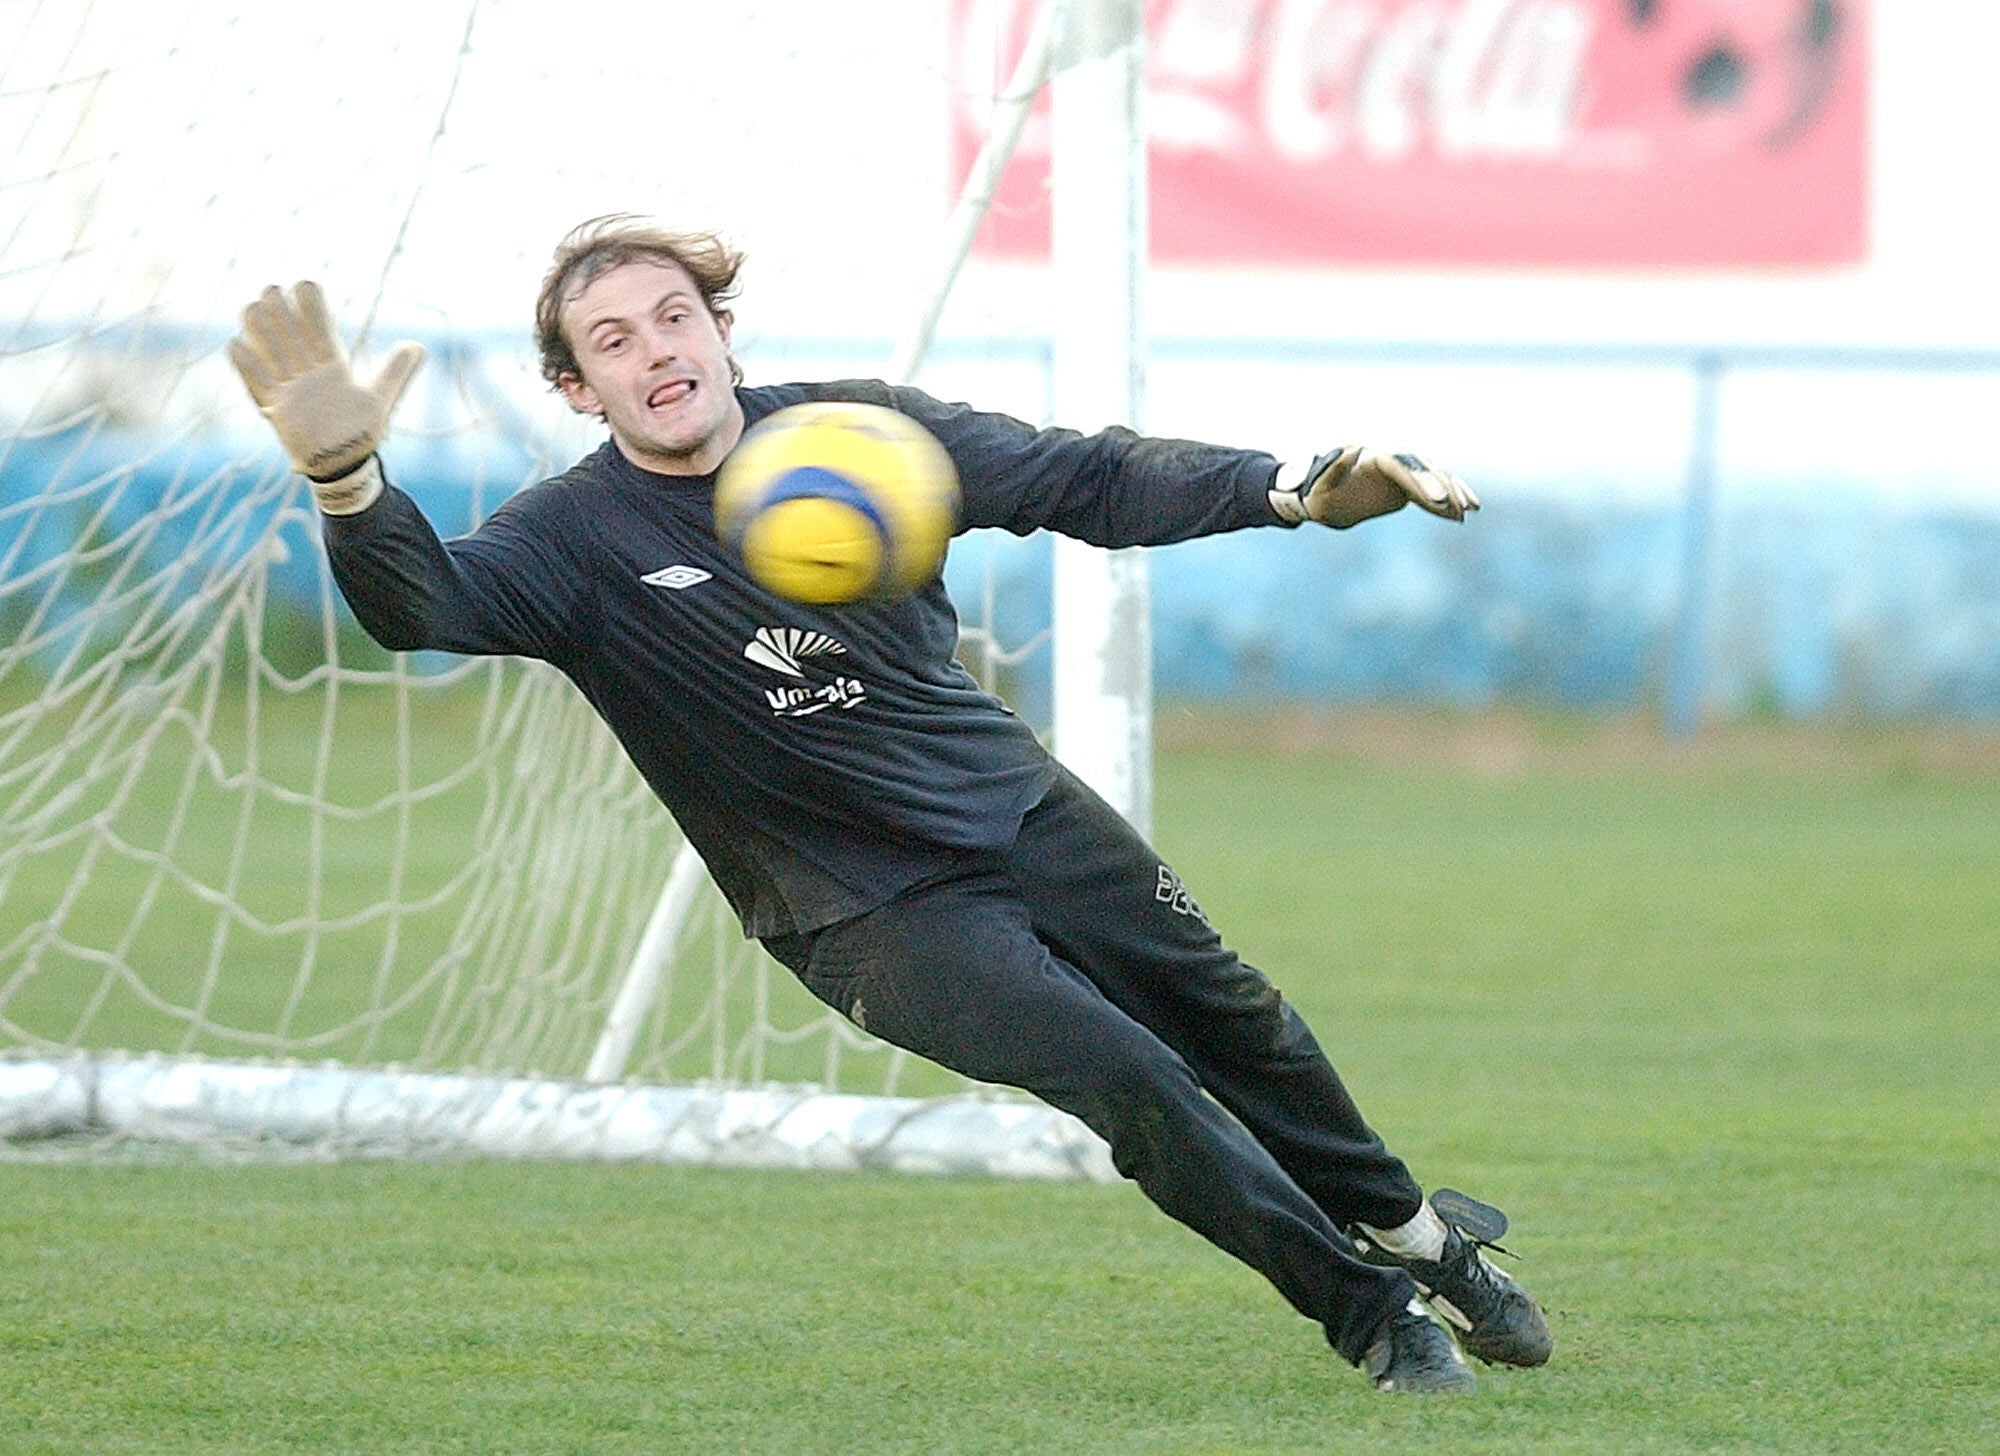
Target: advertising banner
1560, 132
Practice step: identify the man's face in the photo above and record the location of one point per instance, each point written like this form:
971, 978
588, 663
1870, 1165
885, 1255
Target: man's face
655, 367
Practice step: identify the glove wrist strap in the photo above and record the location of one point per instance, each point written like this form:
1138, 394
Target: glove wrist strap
1289, 506
352, 493
1288, 493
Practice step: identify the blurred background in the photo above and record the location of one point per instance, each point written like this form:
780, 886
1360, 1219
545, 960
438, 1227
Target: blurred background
1696, 292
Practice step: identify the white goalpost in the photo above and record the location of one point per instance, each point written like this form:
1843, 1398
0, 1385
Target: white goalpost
262, 883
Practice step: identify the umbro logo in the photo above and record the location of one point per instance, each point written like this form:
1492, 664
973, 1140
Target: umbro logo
676, 577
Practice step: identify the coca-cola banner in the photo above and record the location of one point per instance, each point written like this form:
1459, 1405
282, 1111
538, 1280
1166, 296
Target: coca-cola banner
1682, 132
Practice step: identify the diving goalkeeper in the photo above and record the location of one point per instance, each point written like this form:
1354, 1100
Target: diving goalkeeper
894, 835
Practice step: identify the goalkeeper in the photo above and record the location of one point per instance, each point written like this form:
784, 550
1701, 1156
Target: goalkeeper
895, 836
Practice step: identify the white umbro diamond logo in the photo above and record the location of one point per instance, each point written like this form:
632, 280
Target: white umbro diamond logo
677, 577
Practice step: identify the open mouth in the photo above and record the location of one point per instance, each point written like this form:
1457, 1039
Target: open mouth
670, 393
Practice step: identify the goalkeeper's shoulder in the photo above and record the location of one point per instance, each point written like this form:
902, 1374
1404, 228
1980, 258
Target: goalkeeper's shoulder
561, 496
1113, 487
906, 399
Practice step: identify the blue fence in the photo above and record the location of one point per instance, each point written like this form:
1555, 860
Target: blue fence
1841, 611
1794, 601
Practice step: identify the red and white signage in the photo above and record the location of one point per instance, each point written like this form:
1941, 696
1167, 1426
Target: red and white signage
1562, 132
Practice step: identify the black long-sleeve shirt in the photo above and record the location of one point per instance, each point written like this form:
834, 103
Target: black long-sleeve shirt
819, 758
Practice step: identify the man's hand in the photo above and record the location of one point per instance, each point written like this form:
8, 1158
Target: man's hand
329, 422
1349, 485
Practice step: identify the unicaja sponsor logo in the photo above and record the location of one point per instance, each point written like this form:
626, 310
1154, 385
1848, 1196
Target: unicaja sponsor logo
842, 692
782, 648
786, 650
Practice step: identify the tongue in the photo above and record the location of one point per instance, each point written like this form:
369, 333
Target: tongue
669, 393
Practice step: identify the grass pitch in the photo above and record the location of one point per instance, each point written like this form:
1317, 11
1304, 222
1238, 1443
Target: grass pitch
1717, 1027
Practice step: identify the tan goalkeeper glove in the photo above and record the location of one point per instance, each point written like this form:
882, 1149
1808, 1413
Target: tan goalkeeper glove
329, 422
1351, 484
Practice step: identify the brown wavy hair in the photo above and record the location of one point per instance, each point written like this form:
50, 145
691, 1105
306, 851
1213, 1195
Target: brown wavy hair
592, 249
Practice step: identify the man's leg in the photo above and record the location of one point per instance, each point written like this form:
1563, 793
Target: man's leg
954, 971
1102, 897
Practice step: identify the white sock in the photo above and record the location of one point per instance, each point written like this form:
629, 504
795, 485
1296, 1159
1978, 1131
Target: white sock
1421, 1238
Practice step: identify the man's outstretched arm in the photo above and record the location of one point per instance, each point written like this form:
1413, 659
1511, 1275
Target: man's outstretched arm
1119, 488
492, 592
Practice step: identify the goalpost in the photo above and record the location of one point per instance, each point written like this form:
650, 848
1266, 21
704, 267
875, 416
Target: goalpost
261, 881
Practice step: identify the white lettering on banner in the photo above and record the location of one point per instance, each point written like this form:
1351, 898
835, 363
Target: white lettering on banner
1482, 78
1388, 96
1308, 80
1472, 131
1207, 43
1316, 50
1510, 79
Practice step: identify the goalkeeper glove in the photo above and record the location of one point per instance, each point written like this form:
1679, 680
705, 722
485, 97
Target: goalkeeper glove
1348, 485
290, 359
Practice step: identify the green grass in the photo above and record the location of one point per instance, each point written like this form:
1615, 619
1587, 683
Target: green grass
1717, 1029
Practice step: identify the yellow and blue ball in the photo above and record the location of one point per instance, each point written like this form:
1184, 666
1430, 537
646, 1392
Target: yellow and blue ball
831, 502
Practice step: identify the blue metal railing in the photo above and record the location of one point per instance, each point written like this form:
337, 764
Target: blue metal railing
1709, 367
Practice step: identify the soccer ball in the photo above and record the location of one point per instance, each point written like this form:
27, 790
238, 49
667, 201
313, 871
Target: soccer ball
831, 502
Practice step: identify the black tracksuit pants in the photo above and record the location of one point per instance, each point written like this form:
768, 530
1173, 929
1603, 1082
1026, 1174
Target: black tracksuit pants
1073, 965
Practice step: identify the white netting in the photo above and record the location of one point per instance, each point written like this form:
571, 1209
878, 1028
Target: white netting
230, 826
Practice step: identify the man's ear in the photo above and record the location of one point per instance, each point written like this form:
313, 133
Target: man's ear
582, 398
724, 319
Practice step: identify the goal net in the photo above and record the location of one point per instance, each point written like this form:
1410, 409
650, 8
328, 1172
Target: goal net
261, 879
